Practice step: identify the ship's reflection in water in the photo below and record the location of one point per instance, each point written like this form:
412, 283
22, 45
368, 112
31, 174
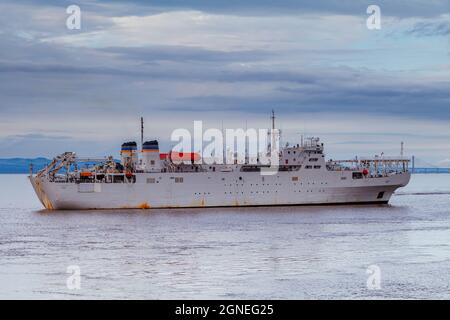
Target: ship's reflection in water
276, 252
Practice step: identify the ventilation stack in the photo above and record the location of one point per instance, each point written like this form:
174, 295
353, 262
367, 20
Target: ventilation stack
150, 156
129, 155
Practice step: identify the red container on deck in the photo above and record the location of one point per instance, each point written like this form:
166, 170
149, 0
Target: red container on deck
180, 156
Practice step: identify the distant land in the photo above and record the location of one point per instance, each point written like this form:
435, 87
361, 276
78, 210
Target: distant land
22, 165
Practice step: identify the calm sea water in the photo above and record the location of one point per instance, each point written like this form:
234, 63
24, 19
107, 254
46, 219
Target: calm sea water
254, 253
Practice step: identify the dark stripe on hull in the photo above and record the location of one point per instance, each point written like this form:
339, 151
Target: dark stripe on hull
361, 203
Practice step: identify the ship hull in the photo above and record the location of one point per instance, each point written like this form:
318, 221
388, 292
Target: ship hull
219, 189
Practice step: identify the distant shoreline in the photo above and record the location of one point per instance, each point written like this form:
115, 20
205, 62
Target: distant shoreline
22, 165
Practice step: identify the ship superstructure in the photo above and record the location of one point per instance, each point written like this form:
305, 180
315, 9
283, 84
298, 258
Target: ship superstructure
151, 179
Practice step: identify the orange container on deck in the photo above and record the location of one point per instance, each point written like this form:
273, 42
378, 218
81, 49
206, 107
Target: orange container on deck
85, 174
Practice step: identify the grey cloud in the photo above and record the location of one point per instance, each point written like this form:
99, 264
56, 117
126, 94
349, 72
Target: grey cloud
197, 72
399, 8
38, 136
63, 69
335, 95
186, 54
313, 90
38, 145
430, 29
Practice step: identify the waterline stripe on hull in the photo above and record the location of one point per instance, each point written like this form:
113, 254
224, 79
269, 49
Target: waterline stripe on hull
358, 203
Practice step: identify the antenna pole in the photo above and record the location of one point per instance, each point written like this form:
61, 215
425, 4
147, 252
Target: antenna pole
223, 146
272, 133
401, 149
273, 119
142, 131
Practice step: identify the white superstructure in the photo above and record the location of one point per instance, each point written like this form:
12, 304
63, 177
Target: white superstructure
155, 180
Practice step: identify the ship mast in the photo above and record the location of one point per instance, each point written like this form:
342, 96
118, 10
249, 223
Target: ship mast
142, 131
273, 119
272, 133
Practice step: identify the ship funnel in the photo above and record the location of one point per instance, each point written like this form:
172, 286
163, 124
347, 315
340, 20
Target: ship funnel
129, 155
150, 156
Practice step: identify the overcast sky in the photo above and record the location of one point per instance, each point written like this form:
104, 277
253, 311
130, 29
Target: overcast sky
232, 61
